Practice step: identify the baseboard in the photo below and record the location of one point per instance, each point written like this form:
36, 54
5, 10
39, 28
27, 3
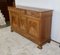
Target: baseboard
55, 41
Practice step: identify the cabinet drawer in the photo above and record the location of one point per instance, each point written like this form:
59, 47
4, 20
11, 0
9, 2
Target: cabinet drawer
33, 13
47, 14
15, 11
22, 11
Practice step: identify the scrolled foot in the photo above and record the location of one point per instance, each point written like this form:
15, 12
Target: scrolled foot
49, 41
11, 30
40, 47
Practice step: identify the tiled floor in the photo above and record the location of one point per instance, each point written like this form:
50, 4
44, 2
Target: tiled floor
12, 43
5, 25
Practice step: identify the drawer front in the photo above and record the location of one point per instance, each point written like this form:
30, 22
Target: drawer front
33, 13
22, 11
14, 11
33, 27
47, 14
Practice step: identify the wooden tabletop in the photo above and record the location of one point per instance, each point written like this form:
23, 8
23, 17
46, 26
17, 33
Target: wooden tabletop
33, 8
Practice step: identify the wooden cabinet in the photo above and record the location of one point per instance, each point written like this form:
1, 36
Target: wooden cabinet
33, 23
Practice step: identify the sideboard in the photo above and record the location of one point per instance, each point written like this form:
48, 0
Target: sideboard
32, 23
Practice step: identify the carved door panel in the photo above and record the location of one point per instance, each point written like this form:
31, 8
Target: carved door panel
33, 27
23, 24
14, 17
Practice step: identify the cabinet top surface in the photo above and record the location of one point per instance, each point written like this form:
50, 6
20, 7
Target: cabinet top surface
33, 8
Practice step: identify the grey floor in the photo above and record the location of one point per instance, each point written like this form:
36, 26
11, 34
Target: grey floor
7, 24
12, 43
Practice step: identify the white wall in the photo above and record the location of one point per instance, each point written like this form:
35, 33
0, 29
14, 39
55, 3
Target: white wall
50, 4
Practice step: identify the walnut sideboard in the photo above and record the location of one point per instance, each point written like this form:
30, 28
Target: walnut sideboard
32, 23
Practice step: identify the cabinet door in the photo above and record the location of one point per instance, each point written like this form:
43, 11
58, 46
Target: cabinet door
22, 23
14, 20
33, 27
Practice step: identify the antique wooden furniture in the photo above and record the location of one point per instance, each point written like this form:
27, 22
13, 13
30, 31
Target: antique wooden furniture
32, 23
4, 7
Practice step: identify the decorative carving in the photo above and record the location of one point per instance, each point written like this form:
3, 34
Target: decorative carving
23, 23
33, 30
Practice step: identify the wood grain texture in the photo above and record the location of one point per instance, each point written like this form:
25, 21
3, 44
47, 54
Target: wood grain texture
33, 25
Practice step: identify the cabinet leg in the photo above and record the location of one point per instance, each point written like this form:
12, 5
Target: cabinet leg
49, 41
40, 47
11, 29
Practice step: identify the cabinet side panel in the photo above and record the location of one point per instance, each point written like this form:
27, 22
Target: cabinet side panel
46, 26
